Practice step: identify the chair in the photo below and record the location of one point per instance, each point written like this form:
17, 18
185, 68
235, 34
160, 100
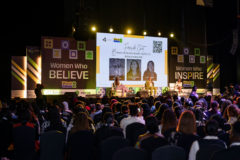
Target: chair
207, 152
52, 144
110, 145
169, 153
130, 153
133, 131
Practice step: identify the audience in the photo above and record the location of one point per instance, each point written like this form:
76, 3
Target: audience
74, 128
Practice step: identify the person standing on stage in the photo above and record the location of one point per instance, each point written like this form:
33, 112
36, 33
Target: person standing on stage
149, 85
150, 72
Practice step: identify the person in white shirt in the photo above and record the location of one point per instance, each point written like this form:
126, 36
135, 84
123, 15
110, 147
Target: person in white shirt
135, 116
211, 129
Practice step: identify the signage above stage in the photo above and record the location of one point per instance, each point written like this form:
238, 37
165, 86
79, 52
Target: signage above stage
68, 64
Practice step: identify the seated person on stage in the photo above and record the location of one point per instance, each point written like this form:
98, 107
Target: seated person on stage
118, 86
179, 86
149, 85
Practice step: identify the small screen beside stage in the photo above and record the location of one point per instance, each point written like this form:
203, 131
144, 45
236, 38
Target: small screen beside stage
131, 58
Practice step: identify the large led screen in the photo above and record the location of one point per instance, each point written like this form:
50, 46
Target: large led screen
131, 58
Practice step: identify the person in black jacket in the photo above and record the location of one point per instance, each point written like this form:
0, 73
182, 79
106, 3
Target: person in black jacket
233, 151
211, 130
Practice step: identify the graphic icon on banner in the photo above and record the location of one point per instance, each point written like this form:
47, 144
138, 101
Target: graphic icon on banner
65, 44
197, 51
180, 58
81, 45
174, 50
73, 54
48, 43
89, 55
57, 53
185, 51
202, 59
191, 59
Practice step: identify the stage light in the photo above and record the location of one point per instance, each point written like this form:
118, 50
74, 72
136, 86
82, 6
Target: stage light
129, 31
171, 35
159, 33
144, 33
111, 29
94, 29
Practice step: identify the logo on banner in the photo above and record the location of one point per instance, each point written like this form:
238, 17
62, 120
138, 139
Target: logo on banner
69, 84
180, 58
81, 45
89, 55
48, 43
65, 44
174, 50
118, 40
73, 54
202, 59
191, 59
57, 53
185, 51
197, 51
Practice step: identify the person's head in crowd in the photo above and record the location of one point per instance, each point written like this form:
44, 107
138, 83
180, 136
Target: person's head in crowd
92, 108
80, 122
117, 107
151, 124
108, 119
214, 106
24, 116
199, 103
188, 104
178, 111
194, 88
199, 114
187, 123
160, 111
79, 108
146, 110
235, 132
176, 104
211, 127
232, 111
182, 100
169, 102
105, 110
98, 106
66, 106
169, 120
223, 126
133, 108
157, 105
204, 103
124, 109
175, 97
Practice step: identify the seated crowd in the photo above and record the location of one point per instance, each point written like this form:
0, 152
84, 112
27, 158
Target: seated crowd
165, 127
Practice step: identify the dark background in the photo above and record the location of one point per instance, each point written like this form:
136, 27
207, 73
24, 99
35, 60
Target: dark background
24, 22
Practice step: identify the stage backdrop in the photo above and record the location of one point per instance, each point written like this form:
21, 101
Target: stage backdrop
132, 58
68, 64
188, 64
19, 76
33, 69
